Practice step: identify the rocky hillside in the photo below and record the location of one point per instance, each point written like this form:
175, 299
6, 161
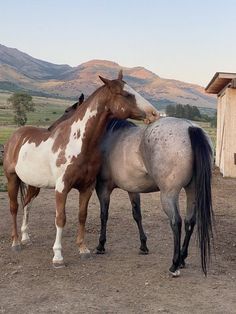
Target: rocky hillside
21, 71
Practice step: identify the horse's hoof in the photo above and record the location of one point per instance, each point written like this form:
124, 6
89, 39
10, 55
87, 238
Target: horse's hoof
100, 251
182, 265
175, 274
58, 264
143, 251
85, 255
16, 248
26, 242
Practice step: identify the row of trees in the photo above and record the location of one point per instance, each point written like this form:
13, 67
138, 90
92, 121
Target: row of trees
183, 111
189, 112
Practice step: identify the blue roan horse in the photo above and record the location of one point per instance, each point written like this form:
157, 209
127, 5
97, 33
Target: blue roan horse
166, 156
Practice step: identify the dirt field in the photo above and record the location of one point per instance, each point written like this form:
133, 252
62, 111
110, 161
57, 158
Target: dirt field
122, 281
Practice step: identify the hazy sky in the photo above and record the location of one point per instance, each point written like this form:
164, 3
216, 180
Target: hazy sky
188, 40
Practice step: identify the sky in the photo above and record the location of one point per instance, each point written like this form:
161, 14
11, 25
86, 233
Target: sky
187, 40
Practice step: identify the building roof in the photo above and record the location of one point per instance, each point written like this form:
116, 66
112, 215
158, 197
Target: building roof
219, 81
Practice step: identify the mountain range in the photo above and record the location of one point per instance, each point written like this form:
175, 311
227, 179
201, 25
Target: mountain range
19, 70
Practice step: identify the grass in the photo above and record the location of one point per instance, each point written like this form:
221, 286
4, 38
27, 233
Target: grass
3, 186
210, 131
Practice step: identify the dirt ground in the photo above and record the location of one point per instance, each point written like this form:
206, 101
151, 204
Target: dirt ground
121, 281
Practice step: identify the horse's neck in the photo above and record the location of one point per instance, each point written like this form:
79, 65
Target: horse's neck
92, 117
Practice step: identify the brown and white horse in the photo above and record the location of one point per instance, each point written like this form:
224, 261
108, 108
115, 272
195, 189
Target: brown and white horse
69, 156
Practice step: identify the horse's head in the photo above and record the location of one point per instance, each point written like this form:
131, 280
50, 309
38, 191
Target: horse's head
127, 103
68, 113
72, 108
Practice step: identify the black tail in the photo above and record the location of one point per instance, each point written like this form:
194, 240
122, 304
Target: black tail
202, 171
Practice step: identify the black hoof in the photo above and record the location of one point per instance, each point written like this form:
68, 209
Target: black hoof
143, 251
182, 264
98, 251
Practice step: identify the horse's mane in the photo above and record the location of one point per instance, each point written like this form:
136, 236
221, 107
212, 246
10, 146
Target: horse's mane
117, 124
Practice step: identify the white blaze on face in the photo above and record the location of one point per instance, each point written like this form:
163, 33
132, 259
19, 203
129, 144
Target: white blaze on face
142, 103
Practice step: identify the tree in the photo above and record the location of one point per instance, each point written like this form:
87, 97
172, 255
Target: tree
170, 111
21, 103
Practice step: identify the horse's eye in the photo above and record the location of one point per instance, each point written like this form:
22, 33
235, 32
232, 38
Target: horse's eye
127, 95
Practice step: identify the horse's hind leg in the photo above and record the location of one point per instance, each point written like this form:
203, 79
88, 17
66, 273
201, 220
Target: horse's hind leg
189, 222
170, 205
32, 192
13, 188
136, 211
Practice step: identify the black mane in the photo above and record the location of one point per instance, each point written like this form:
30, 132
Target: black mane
117, 124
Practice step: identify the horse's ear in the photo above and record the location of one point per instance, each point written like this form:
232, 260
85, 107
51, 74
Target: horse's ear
105, 81
120, 75
81, 98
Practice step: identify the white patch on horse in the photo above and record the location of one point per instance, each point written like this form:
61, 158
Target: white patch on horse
57, 246
36, 165
141, 102
60, 185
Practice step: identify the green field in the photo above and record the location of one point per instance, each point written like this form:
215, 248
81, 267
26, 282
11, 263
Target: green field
47, 110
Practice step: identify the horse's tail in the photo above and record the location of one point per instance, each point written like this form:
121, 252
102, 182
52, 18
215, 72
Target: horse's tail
202, 173
23, 189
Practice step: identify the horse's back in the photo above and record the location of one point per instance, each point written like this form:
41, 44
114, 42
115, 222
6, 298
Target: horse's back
167, 152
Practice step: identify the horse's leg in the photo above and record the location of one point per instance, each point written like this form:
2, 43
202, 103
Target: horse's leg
32, 192
103, 194
190, 221
136, 211
60, 222
170, 205
83, 206
13, 188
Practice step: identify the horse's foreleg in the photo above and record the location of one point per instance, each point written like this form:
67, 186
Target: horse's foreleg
136, 211
189, 222
13, 188
32, 192
83, 206
171, 207
60, 222
103, 194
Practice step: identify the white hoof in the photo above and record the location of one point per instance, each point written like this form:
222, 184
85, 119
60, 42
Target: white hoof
58, 264
84, 251
175, 273
26, 240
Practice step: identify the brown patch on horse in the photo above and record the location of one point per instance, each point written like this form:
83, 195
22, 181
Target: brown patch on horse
61, 159
62, 137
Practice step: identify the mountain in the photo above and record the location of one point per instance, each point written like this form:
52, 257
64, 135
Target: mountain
19, 70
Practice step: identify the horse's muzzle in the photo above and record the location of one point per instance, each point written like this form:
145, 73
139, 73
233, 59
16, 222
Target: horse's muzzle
153, 116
